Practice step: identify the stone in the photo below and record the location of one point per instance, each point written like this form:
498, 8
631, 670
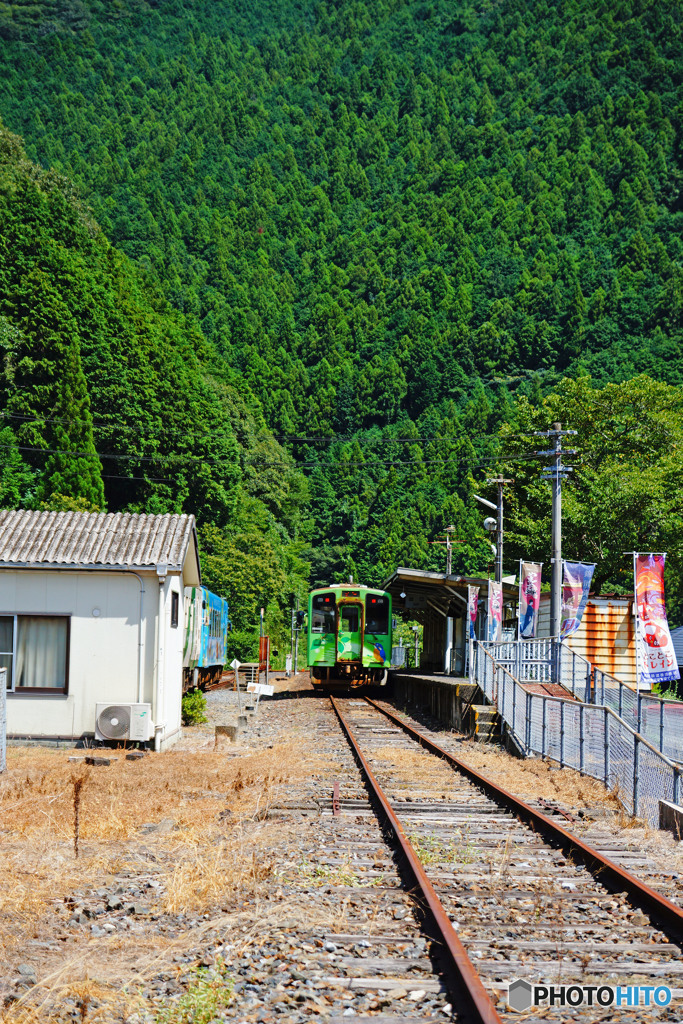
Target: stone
226, 732
135, 755
114, 903
98, 761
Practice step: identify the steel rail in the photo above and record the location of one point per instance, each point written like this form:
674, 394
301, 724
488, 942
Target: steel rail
474, 1004
668, 916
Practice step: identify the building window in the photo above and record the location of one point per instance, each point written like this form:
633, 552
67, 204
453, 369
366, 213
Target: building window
35, 651
175, 602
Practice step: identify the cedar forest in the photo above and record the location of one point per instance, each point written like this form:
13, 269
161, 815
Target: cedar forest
312, 271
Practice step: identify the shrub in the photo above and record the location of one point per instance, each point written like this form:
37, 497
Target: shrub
194, 708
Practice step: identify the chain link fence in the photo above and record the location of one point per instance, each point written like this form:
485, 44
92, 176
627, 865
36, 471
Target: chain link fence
591, 738
547, 660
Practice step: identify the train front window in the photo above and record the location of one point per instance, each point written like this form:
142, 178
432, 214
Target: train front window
377, 614
350, 614
323, 612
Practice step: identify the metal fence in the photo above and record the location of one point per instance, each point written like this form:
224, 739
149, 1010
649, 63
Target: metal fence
660, 721
544, 661
547, 660
591, 738
405, 657
3, 719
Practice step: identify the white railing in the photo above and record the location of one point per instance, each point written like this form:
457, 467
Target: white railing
591, 738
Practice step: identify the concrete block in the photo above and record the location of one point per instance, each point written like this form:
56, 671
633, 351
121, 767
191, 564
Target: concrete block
671, 818
226, 732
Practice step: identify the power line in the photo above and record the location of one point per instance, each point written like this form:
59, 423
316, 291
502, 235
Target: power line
294, 438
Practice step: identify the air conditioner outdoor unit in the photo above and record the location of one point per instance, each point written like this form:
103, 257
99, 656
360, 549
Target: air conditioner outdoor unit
120, 722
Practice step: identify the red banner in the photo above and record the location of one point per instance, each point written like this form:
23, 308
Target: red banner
654, 650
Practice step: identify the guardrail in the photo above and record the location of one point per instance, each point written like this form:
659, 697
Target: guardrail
591, 738
660, 721
544, 661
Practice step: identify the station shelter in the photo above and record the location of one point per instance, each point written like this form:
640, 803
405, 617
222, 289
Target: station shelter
438, 602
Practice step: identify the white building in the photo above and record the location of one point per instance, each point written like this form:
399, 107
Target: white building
91, 613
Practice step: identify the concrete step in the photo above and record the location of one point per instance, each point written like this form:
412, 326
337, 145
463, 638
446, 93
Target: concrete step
485, 722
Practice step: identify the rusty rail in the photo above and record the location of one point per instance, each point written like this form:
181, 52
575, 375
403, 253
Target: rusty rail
474, 1004
668, 916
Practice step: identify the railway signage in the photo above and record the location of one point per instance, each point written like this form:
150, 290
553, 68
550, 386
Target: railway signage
263, 689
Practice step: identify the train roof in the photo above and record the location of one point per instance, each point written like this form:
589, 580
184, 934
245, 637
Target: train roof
348, 586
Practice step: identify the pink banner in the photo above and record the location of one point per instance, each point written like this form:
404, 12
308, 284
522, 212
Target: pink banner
472, 605
654, 649
529, 598
495, 611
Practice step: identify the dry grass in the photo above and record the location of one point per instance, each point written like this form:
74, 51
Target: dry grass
531, 778
201, 860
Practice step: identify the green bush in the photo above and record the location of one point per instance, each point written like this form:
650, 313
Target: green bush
194, 708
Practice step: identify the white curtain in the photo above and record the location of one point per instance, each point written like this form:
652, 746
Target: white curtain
41, 651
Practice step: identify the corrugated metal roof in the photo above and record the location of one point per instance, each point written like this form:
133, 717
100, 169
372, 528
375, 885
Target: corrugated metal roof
94, 538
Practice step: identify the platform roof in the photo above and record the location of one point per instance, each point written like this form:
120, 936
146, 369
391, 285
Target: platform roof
437, 591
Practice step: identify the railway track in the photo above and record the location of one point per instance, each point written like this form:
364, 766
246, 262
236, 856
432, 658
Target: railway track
502, 892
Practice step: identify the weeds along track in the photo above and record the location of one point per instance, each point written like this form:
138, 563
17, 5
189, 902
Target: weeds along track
508, 893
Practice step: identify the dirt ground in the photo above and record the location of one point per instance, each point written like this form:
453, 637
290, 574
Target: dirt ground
113, 876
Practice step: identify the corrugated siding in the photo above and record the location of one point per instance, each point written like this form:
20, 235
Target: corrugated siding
606, 638
677, 638
606, 635
97, 538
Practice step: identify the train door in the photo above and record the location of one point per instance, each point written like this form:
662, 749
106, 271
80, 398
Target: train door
322, 628
350, 633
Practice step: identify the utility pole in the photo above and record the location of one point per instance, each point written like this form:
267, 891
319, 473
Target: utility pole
296, 641
449, 542
555, 472
292, 624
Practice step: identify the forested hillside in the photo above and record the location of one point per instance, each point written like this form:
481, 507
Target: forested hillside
110, 398
397, 225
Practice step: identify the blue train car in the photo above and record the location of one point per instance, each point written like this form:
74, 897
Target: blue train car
207, 624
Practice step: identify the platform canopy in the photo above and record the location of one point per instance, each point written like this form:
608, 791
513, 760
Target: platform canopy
417, 592
438, 601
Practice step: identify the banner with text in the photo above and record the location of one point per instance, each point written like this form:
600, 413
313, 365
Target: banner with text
472, 605
576, 584
529, 598
654, 649
495, 611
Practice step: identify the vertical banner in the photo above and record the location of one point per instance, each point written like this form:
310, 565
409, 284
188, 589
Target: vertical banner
529, 598
472, 604
495, 611
576, 584
655, 656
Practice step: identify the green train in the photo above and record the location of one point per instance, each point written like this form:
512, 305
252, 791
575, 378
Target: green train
348, 635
